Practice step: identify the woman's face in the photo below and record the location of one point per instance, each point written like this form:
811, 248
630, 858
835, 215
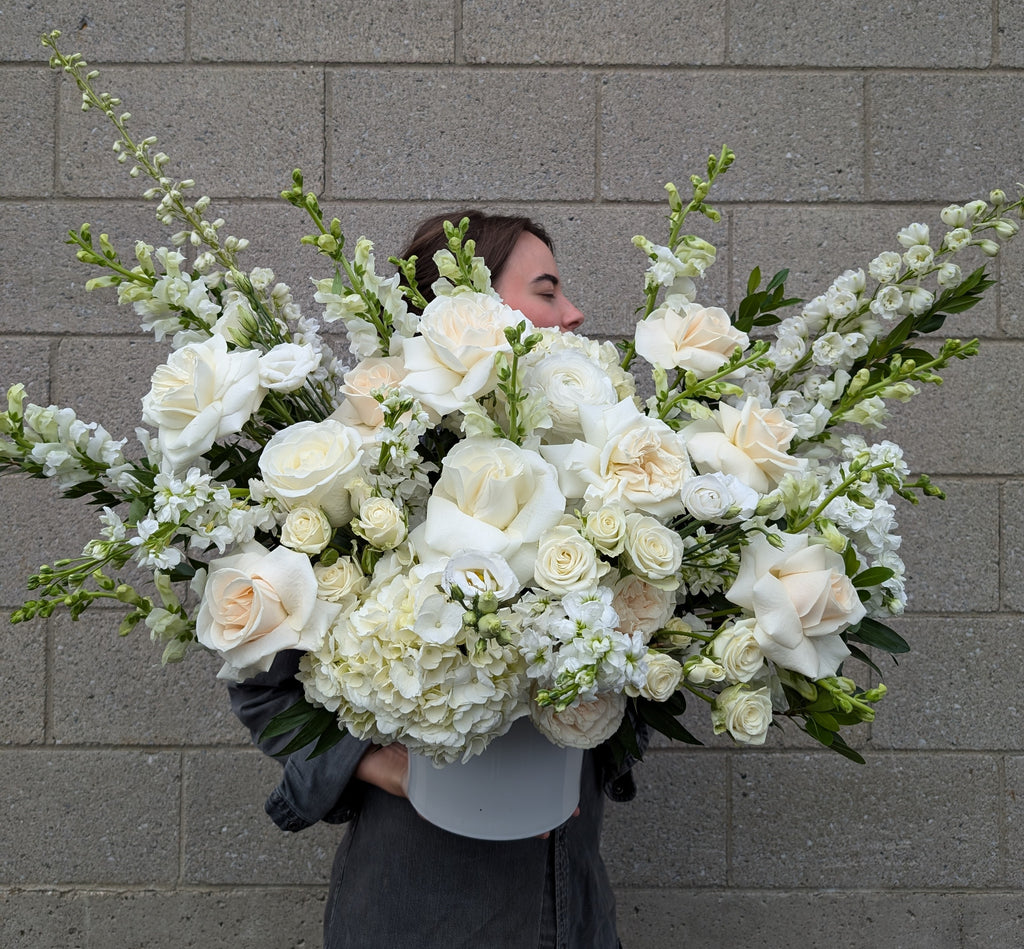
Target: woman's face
529, 283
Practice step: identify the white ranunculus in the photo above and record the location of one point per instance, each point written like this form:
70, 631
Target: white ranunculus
476, 571
307, 530
286, 367
340, 582
624, 456
308, 464
257, 603
683, 335
737, 649
750, 443
452, 360
745, 714
491, 496
568, 379
641, 606
566, 561
653, 550
801, 599
663, 676
584, 725
202, 393
719, 498
381, 523
360, 409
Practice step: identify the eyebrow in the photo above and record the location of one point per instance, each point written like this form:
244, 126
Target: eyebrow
545, 277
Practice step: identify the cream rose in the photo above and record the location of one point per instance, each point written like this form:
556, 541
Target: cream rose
360, 409
653, 550
605, 528
745, 714
380, 523
801, 599
452, 358
340, 582
307, 530
684, 335
584, 725
286, 367
625, 456
641, 606
491, 496
750, 442
568, 379
566, 561
202, 393
475, 572
737, 649
308, 464
257, 603
719, 498
663, 677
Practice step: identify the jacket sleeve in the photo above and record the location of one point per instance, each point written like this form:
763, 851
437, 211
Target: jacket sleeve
311, 789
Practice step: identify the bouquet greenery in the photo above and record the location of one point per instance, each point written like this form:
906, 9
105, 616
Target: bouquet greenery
481, 520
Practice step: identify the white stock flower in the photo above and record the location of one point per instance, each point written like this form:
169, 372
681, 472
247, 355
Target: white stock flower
307, 530
683, 335
309, 462
801, 600
886, 266
568, 379
257, 603
626, 457
566, 561
750, 443
913, 234
287, 366
452, 360
202, 393
491, 496
584, 725
745, 714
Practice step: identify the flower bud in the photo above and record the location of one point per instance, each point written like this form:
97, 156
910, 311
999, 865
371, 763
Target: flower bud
988, 248
1005, 228
489, 625
998, 197
954, 215
975, 209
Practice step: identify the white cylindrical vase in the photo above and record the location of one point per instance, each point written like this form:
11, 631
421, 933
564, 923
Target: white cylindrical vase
520, 786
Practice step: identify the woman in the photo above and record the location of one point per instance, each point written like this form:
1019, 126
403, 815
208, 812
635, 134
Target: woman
399, 881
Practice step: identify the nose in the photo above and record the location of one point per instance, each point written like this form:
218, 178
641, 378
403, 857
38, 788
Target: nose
572, 318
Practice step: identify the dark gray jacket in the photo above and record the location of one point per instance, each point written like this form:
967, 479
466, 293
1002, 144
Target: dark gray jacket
399, 881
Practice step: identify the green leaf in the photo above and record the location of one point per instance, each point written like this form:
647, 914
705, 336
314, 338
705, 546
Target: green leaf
873, 576
754, 280
872, 633
858, 653
665, 722
291, 718
826, 736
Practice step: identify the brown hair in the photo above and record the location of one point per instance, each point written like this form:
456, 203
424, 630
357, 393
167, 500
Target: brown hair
495, 235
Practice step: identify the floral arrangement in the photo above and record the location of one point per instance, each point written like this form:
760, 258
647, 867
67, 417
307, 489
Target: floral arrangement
479, 520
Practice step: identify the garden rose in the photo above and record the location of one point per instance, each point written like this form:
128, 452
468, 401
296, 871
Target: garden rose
568, 379
641, 606
801, 599
750, 442
257, 603
491, 496
202, 393
360, 409
308, 464
584, 725
745, 714
684, 335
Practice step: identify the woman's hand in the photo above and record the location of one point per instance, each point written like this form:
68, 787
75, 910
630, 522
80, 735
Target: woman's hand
387, 768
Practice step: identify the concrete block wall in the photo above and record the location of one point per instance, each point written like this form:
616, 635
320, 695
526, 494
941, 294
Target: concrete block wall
131, 801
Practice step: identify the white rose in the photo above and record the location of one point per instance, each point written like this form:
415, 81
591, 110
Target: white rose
801, 599
737, 649
257, 603
625, 456
750, 443
360, 409
654, 551
452, 358
491, 496
605, 528
702, 669
641, 606
307, 530
475, 572
340, 582
719, 498
746, 715
286, 366
566, 561
568, 379
663, 677
688, 336
381, 523
584, 725
308, 464
202, 393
